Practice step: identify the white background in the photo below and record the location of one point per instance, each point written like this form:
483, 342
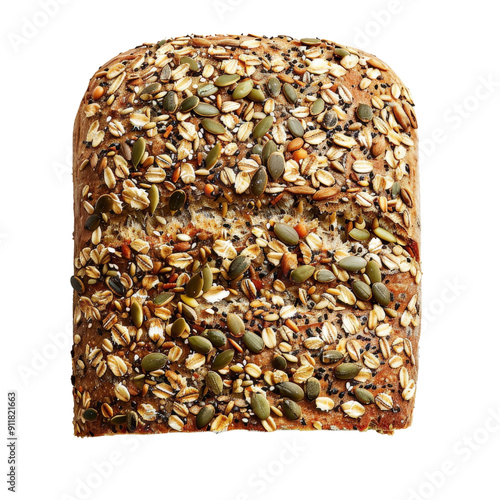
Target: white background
447, 54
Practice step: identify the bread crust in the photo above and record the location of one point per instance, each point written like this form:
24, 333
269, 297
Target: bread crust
357, 175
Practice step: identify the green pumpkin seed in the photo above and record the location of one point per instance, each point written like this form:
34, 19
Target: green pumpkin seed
364, 112
166, 73
200, 344
189, 103
291, 390
193, 65
188, 312
260, 405
207, 90
359, 234
223, 359
154, 198
353, 263
163, 298
138, 150
257, 150
256, 95
235, 324
330, 120
170, 102
90, 414
208, 278
331, 356
291, 409
396, 189
103, 204
317, 107
204, 109
194, 286
362, 290
213, 156
310, 41
274, 86
290, 93
302, 273
152, 88
216, 337
259, 182
154, 361
77, 284
268, 149
116, 285
364, 396
177, 200
295, 127
373, 272
136, 313
132, 421
119, 420
212, 126
92, 222
238, 267
179, 326
253, 342
312, 388
214, 383
226, 80
286, 234
276, 165
242, 89
324, 276
385, 235
381, 294
262, 127
279, 362
346, 371
205, 416
341, 52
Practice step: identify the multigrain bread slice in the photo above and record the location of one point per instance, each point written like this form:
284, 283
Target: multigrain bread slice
246, 240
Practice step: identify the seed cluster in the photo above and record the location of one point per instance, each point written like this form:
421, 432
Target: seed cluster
247, 240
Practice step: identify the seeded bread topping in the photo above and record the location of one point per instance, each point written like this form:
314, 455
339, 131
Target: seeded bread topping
246, 240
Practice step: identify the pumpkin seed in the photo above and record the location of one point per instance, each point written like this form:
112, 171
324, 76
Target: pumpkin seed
262, 127
138, 150
193, 65
188, 312
295, 127
396, 189
346, 371
216, 337
213, 156
235, 324
116, 285
257, 150
223, 359
77, 284
310, 41
194, 286
324, 276
260, 405
205, 416
166, 73
242, 89
154, 361
268, 149
92, 222
274, 86
152, 88
238, 267
352, 263
290, 93
364, 112
341, 52
279, 362
373, 272
302, 273
259, 182
330, 120
214, 383
170, 101
312, 388
359, 234
204, 109
119, 420
381, 294
90, 414
163, 298
189, 103
331, 356
226, 80
207, 90
132, 420
103, 204
208, 278
364, 396
200, 344
177, 200
385, 235
154, 198
253, 342
291, 390
179, 326
276, 165
212, 126
256, 95
362, 290
317, 107
291, 409
136, 313
286, 234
